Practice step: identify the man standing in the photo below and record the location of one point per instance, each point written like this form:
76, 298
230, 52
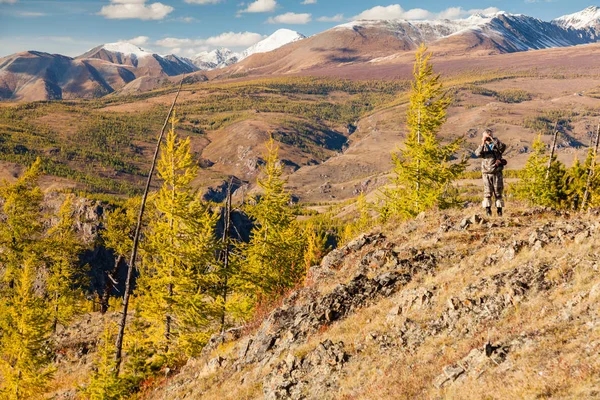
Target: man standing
492, 165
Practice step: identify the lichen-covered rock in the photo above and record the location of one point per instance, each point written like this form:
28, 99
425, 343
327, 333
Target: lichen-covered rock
313, 376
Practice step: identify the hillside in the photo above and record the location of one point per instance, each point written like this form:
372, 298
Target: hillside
449, 305
335, 135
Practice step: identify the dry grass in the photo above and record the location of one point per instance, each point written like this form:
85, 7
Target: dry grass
554, 333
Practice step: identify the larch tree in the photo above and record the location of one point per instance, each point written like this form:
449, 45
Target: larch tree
534, 187
24, 341
178, 258
21, 226
104, 383
274, 257
423, 169
118, 236
65, 278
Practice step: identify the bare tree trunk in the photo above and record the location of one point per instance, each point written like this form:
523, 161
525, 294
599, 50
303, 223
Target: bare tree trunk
55, 317
418, 160
226, 230
588, 183
111, 283
168, 318
553, 148
136, 238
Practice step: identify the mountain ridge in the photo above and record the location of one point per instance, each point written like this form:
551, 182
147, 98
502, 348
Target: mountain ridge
110, 67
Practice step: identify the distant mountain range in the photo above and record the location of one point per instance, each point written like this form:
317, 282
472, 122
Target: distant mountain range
127, 68
221, 58
122, 66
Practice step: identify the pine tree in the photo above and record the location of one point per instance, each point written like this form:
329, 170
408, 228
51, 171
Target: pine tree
274, 258
104, 383
65, 278
534, 187
24, 349
176, 272
423, 171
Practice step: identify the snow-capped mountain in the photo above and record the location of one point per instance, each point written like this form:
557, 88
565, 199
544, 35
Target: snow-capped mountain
507, 32
148, 63
421, 30
278, 39
126, 49
218, 58
222, 57
35, 75
585, 19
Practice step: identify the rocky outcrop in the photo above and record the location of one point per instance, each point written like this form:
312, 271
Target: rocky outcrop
292, 355
316, 373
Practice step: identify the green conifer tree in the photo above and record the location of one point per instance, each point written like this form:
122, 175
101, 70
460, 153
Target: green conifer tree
65, 276
104, 383
24, 332
177, 269
118, 236
534, 187
576, 181
21, 228
274, 258
423, 170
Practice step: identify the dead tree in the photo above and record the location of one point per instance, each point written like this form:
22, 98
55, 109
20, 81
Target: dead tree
552, 149
226, 249
588, 183
136, 238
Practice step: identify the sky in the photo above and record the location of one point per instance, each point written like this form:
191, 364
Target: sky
187, 27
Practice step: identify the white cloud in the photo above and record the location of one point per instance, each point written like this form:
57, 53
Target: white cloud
290, 18
484, 11
233, 39
30, 14
395, 11
138, 40
135, 9
203, 1
335, 18
190, 47
187, 20
8, 1
260, 6
309, 2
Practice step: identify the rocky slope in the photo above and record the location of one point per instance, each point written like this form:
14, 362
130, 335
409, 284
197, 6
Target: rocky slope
450, 305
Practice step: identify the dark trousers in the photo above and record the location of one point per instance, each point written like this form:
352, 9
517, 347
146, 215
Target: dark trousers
493, 184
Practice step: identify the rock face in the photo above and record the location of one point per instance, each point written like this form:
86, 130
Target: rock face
314, 373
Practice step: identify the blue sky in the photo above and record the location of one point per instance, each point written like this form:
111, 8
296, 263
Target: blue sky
188, 26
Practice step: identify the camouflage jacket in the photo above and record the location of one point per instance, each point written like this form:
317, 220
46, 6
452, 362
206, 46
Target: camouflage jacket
491, 152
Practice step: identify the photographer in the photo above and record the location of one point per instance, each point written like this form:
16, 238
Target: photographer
492, 165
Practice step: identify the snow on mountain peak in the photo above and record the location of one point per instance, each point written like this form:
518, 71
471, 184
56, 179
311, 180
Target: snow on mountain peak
278, 39
126, 49
588, 18
217, 58
425, 30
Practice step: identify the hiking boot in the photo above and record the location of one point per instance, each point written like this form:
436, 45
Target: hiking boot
499, 211
488, 211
